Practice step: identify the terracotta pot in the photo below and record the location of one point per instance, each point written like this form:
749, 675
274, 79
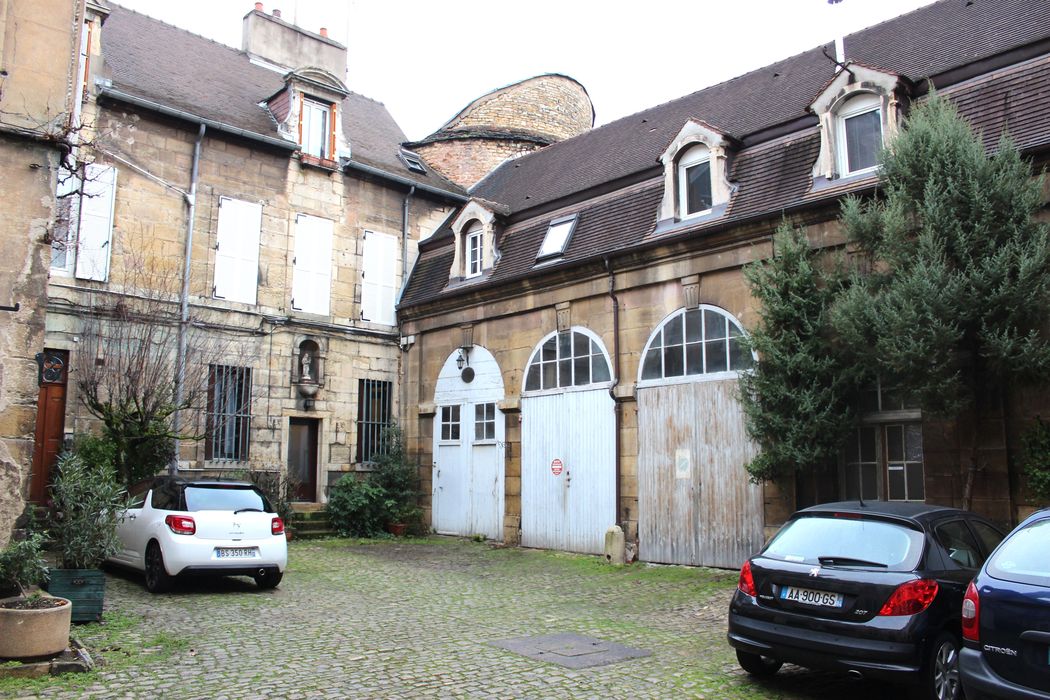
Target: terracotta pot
27, 633
397, 529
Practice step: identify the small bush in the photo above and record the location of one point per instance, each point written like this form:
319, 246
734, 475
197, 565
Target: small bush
357, 508
22, 564
1035, 459
87, 503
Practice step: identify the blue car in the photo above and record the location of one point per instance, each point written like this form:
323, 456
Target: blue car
1006, 618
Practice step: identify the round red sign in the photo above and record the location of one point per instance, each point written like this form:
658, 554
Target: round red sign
556, 466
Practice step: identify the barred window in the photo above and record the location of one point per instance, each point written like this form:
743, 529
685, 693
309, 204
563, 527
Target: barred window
373, 417
229, 413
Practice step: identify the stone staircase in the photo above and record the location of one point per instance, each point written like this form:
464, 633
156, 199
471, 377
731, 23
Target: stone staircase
310, 521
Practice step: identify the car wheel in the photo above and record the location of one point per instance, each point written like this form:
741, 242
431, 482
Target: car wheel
942, 673
268, 580
158, 580
757, 665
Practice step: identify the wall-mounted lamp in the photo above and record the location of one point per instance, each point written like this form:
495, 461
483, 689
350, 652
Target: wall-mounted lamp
463, 359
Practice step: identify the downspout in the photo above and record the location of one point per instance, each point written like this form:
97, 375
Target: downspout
616, 375
184, 316
403, 356
404, 234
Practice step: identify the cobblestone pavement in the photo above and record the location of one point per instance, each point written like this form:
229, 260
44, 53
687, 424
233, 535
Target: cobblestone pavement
410, 619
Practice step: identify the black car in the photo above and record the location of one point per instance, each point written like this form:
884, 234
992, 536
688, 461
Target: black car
1006, 618
873, 589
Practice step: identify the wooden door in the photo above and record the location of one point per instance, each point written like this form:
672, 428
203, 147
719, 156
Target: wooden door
50, 421
302, 457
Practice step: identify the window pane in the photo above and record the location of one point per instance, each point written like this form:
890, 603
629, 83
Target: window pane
692, 325
651, 366
550, 349
916, 485
896, 483
674, 365
565, 372
989, 536
698, 187
913, 442
714, 325
582, 370
740, 356
581, 345
455, 414
550, 375
599, 369
716, 356
454, 431
532, 381
694, 359
863, 140
962, 548
673, 331
564, 345
894, 443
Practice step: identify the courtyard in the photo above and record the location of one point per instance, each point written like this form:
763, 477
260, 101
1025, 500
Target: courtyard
426, 618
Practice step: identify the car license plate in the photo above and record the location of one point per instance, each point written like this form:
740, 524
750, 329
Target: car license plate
234, 552
810, 597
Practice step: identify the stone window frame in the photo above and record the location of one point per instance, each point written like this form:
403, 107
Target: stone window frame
693, 156
857, 105
473, 213
676, 159
838, 101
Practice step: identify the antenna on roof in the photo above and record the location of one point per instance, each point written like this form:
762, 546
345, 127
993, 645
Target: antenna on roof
840, 59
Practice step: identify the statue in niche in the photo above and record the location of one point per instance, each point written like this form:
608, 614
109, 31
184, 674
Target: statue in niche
306, 360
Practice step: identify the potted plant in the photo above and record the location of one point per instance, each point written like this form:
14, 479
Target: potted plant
398, 476
404, 518
87, 504
30, 625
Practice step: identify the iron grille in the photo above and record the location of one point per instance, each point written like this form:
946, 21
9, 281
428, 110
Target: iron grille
229, 413
373, 417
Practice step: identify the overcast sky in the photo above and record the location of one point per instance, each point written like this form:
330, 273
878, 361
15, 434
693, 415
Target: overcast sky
427, 59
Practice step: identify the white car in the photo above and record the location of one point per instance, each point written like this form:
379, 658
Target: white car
178, 526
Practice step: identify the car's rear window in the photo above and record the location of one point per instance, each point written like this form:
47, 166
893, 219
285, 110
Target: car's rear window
1024, 556
847, 540
224, 497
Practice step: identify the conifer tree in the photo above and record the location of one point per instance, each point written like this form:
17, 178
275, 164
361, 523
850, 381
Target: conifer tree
798, 400
957, 302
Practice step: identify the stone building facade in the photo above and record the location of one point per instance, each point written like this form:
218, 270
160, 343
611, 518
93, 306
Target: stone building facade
297, 214
38, 50
579, 370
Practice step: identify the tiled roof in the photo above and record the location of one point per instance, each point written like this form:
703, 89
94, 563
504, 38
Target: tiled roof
152, 60
917, 45
768, 178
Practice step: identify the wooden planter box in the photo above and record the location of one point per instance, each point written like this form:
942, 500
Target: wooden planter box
85, 588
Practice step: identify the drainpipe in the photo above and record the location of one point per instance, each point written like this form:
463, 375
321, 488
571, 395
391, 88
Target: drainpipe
184, 317
404, 233
616, 374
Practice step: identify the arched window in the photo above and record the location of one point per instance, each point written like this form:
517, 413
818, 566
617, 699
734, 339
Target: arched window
694, 181
472, 249
566, 359
859, 125
699, 341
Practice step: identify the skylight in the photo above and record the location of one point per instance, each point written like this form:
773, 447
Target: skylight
557, 237
414, 162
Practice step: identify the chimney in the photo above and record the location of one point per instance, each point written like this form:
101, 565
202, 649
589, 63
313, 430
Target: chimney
272, 39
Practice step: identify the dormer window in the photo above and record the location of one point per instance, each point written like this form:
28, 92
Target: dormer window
860, 133
557, 239
413, 162
694, 181
859, 111
473, 249
696, 175
317, 128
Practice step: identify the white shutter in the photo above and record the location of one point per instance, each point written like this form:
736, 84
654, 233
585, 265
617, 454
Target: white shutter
237, 250
379, 274
312, 272
96, 222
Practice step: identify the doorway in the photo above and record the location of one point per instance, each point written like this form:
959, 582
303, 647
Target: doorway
302, 457
50, 420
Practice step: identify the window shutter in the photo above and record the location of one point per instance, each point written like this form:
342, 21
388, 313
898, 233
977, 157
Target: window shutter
331, 132
96, 222
312, 269
237, 250
302, 116
379, 271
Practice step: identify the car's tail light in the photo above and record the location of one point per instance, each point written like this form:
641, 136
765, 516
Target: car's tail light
911, 598
747, 582
276, 526
181, 524
971, 614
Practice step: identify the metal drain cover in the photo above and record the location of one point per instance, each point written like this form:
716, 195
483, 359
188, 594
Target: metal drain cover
570, 650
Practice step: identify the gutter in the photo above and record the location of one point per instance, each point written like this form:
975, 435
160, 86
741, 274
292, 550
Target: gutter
115, 94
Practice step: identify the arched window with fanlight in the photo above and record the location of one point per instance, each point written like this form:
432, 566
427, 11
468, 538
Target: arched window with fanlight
693, 342
571, 358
